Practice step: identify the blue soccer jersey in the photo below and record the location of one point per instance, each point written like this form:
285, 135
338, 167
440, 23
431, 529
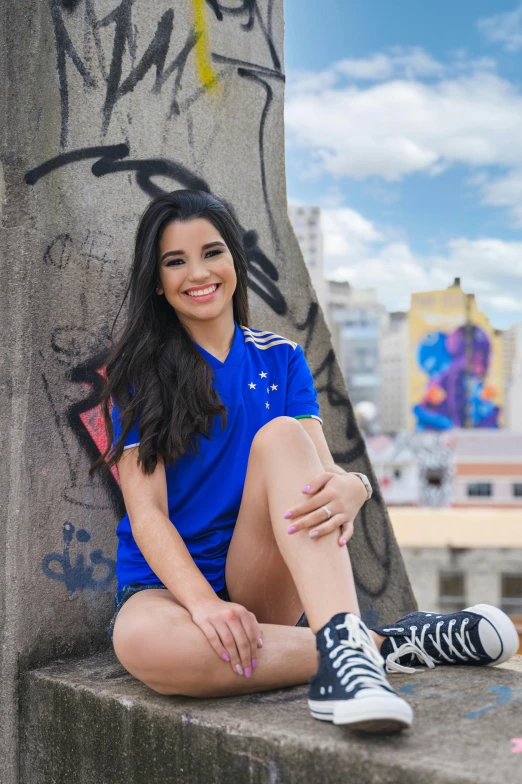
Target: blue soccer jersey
264, 376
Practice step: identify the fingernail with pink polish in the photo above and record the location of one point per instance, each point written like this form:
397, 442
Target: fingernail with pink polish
225, 656
254, 663
292, 529
307, 489
248, 672
260, 641
287, 515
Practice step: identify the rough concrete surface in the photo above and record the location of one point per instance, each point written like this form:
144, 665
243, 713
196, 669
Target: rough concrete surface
107, 103
89, 721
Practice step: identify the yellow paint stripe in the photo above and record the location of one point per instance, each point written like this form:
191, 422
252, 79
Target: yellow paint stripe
206, 74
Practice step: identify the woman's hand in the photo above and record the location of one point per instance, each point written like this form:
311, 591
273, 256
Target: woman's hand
232, 631
342, 494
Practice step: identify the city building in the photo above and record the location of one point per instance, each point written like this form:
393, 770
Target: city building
488, 469
414, 469
306, 222
456, 558
479, 468
512, 344
456, 363
357, 320
395, 374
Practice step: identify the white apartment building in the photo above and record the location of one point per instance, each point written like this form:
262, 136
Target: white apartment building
395, 360
512, 344
306, 222
357, 320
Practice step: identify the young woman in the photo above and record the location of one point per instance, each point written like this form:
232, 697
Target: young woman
237, 515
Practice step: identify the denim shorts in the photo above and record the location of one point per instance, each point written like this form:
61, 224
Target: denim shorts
131, 588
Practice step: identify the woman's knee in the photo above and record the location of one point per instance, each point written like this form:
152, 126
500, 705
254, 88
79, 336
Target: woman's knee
151, 644
283, 428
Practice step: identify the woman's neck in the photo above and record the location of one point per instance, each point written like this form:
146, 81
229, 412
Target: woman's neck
215, 336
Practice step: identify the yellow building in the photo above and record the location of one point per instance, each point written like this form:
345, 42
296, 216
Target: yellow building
456, 363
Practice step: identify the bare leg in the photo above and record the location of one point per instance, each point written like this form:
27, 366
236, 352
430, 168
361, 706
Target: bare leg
268, 570
157, 642
272, 573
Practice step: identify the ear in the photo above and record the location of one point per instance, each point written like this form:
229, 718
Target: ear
159, 290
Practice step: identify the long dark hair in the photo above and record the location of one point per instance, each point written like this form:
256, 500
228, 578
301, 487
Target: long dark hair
154, 369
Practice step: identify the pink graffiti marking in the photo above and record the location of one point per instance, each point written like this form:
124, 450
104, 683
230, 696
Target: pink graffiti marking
517, 748
95, 426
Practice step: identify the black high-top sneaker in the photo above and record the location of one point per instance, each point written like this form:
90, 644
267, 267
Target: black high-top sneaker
350, 685
477, 635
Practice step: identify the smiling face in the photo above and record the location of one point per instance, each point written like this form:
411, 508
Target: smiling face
196, 271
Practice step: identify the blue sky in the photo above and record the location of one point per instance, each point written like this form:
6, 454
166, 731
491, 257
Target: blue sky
404, 123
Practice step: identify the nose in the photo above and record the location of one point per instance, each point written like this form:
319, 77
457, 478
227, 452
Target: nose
198, 271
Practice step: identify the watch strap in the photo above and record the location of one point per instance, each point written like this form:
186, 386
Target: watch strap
366, 482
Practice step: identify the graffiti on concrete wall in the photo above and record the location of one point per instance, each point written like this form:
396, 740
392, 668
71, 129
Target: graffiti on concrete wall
79, 576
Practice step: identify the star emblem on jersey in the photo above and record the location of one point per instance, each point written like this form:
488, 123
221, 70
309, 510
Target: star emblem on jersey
272, 388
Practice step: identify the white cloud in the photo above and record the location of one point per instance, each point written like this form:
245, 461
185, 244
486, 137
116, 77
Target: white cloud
400, 127
462, 113
398, 63
369, 256
504, 28
401, 62
504, 191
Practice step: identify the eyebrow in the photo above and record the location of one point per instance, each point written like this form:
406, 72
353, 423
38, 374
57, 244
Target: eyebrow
182, 252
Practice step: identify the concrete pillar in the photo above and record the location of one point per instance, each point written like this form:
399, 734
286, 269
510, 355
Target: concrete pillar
106, 104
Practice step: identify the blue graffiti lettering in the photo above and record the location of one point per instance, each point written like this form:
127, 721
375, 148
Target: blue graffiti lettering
80, 576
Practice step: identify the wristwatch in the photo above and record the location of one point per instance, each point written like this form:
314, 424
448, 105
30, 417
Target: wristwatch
364, 479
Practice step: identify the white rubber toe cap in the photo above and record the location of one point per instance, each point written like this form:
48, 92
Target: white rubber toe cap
497, 632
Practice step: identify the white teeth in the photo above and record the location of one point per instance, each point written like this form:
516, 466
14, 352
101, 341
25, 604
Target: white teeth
202, 293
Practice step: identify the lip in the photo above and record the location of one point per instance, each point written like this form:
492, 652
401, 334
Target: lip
207, 297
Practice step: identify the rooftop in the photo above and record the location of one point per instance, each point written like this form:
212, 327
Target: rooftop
456, 527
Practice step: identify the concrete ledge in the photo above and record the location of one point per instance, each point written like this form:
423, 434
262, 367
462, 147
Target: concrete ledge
86, 721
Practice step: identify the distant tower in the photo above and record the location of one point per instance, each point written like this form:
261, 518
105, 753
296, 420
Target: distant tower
306, 221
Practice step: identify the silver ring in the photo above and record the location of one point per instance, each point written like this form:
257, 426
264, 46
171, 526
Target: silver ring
327, 512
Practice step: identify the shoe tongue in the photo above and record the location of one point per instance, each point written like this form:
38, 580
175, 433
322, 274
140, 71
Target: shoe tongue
329, 632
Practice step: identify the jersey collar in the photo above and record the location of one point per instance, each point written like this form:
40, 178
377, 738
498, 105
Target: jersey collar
235, 355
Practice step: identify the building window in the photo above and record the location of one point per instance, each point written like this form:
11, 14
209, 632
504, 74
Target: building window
511, 594
434, 476
480, 489
517, 489
452, 594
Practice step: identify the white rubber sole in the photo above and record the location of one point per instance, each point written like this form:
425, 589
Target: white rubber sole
370, 714
504, 627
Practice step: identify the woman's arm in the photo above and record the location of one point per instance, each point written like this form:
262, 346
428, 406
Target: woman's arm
145, 497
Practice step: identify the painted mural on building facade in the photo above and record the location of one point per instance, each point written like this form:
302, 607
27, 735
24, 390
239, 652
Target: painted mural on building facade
456, 363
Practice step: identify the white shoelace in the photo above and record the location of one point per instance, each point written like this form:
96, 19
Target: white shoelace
350, 652
415, 646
